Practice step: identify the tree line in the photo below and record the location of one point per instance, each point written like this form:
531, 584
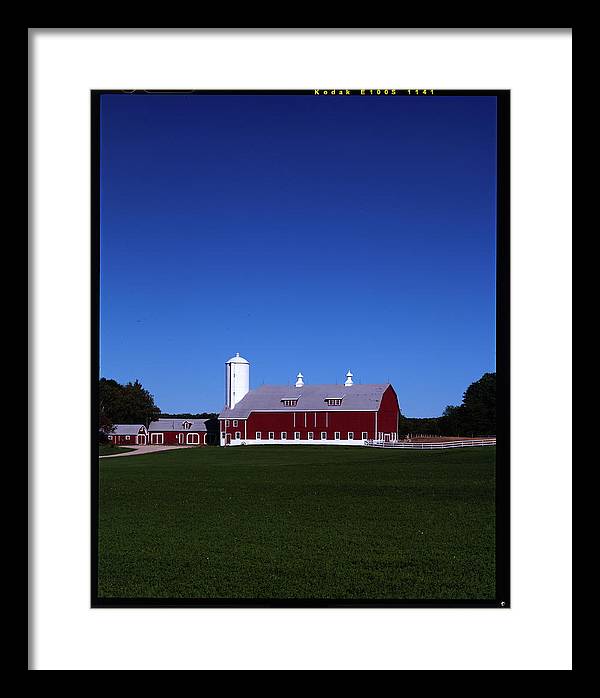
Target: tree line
475, 416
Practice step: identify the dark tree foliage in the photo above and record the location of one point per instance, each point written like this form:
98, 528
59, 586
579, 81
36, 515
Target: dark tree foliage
125, 404
479, 406
189, 415
476, 416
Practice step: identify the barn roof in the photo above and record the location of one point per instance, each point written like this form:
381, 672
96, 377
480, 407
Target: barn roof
177, 425
125, 429
268, 398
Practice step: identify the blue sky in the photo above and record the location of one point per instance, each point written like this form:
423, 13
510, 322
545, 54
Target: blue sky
313, 234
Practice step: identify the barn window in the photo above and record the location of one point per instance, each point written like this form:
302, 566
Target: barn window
323, 435
350, 435
258, 435
297, 435
334, 401
238, 435
289, 401
235, 422
271, 435
284, 435
336, 436
310, 435
186, 425
365, 435
127, 438
226, 422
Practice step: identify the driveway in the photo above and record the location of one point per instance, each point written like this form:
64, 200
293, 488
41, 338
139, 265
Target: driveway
140, 450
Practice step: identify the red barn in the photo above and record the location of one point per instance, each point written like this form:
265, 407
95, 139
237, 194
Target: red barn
178, 432
128, 435
344, 415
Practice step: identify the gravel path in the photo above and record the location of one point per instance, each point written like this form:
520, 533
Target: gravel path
140, 450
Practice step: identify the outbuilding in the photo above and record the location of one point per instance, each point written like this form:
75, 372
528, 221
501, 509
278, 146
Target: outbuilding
128, 435
178, 432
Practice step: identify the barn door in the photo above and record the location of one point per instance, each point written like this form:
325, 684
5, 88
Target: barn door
141, 439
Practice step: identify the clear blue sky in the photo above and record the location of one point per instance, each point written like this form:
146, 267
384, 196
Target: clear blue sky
311, 234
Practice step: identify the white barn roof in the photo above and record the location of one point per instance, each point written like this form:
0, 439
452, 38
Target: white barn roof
127, 429
268, 398
177, 425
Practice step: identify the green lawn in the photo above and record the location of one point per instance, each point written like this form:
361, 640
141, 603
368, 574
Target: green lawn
109, 449
298, 522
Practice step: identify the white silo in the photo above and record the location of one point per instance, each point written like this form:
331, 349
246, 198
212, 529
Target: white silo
237, 380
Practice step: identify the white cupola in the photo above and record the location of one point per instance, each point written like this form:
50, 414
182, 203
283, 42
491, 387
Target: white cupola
348, 378
299, 380
237, 380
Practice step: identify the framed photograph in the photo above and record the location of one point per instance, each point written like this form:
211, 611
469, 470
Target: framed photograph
300, 368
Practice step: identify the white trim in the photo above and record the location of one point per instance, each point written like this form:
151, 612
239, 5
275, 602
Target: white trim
311, 436
283, 435
296, 436
194, 440
337, 435
157, 438
258, 436
350, 438
323, 439
299, 442
271, 436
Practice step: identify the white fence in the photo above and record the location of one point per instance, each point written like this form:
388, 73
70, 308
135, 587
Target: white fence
430, 445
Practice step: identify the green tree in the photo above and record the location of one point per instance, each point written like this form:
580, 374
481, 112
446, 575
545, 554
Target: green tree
125, 404
479, 406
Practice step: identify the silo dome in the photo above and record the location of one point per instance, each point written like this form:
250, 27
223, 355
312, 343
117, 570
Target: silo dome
237, 359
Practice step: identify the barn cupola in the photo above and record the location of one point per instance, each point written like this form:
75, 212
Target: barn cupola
348, 379
299, 380
237, 380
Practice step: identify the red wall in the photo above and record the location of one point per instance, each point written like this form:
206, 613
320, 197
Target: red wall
389, 411
121, 439
170, 437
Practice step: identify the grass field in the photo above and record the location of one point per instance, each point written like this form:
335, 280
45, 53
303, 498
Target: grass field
289, 522
109, 449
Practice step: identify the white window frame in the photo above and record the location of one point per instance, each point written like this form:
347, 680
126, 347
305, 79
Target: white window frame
350, 436
296, 436
365, 435
238, 435
226, 423
311, 436
110, 436
192, 439
323, 436
157, 439
258, 436
284, 436
336, 435
271, 436
222, 434
127, 438
235, 422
